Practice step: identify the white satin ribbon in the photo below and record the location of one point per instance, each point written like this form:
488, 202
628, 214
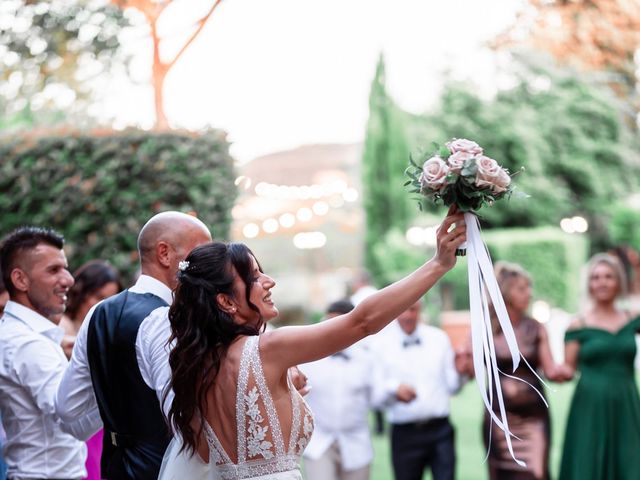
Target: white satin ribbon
482, 280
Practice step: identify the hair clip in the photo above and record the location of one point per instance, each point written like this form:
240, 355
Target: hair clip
183, 265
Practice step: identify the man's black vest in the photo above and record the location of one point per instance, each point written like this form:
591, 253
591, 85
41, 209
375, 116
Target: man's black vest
135, 433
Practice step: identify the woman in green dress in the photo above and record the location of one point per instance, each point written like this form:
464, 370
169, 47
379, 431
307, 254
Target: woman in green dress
602, 440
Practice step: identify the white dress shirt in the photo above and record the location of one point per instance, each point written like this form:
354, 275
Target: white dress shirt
340, 398
362, 293
31, 365
428, 366
75, 400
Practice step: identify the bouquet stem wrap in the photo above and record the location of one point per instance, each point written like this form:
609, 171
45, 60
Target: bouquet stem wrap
482, 281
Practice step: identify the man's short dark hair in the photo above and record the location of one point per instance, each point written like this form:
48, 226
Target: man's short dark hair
21, 240
340, 306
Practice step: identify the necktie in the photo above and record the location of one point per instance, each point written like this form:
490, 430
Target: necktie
410, 341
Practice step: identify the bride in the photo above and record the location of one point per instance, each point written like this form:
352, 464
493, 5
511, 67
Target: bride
235, 407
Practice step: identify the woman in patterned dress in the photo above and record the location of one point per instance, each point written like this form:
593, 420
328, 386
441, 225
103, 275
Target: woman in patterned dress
234, 403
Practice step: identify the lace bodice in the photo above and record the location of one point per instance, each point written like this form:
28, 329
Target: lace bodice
261, 445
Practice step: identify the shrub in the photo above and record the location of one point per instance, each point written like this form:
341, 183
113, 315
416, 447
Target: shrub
553, 258
98, 190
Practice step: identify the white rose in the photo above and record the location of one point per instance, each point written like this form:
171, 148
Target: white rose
488, 172
464, 145
434, 173
502, 182
456, 161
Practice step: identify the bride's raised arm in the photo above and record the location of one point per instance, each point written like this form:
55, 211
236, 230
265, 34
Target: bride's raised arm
288, 346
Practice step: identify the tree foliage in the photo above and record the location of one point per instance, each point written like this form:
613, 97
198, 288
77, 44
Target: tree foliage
384, 161
99, 190
52, 51
597, 35
577, 152
153, 11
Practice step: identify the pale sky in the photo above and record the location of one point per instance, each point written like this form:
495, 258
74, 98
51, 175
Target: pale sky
282, 73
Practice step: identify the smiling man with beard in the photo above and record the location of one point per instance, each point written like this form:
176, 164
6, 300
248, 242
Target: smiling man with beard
34, 270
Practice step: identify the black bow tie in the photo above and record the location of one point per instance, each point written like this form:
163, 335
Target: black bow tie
408, 342
342, 355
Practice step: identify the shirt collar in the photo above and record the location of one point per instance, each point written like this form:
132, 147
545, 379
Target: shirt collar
403, 335
34, 320
148, 284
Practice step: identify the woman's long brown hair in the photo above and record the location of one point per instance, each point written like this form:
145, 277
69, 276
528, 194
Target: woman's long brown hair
202, 331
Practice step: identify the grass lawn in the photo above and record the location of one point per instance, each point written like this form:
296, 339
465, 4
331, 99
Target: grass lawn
467, 414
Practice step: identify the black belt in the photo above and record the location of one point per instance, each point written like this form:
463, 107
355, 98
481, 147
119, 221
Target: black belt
423, 424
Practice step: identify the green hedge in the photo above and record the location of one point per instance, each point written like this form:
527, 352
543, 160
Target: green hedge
553, 258
98, 190
624, 226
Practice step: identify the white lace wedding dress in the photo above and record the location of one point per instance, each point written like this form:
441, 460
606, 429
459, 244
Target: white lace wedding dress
262, 452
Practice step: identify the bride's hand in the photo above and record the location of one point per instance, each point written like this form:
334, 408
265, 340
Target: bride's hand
451, 233
299, 381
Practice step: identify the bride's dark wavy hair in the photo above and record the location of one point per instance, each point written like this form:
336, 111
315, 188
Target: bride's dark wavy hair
202, 331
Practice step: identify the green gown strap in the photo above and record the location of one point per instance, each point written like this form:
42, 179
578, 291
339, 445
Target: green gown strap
634, 323
571, 335
576, 333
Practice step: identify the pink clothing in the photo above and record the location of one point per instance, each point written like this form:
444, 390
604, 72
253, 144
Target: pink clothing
94, 452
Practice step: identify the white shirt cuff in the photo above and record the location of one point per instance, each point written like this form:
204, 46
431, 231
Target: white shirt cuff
84, 427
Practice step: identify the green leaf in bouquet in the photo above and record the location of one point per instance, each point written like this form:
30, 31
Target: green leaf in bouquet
452, 177
470, 168
408, 182
412, 160
464, 204
449, 196
468, 181
474, 194
436, 146
444, 152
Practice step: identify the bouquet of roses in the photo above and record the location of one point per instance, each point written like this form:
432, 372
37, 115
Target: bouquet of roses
459, 173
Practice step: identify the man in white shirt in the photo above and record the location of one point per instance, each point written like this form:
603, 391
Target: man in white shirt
340, 394
414, 377
362, 287
34, 269
118, 369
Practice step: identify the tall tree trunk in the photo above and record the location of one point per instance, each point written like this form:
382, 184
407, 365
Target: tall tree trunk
152, 10
159, 74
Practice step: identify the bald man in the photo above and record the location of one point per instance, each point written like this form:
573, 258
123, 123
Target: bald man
119, 365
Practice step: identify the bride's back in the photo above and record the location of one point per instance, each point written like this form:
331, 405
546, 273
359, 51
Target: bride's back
256, 424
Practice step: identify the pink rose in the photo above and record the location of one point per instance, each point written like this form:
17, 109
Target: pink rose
501, 182
464, 145
488, 172
434, 173
456, 160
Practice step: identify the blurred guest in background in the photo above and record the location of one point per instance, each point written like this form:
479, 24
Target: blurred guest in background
415, 374
527, 414
340, 448
602, 439
94, 281
361, 288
